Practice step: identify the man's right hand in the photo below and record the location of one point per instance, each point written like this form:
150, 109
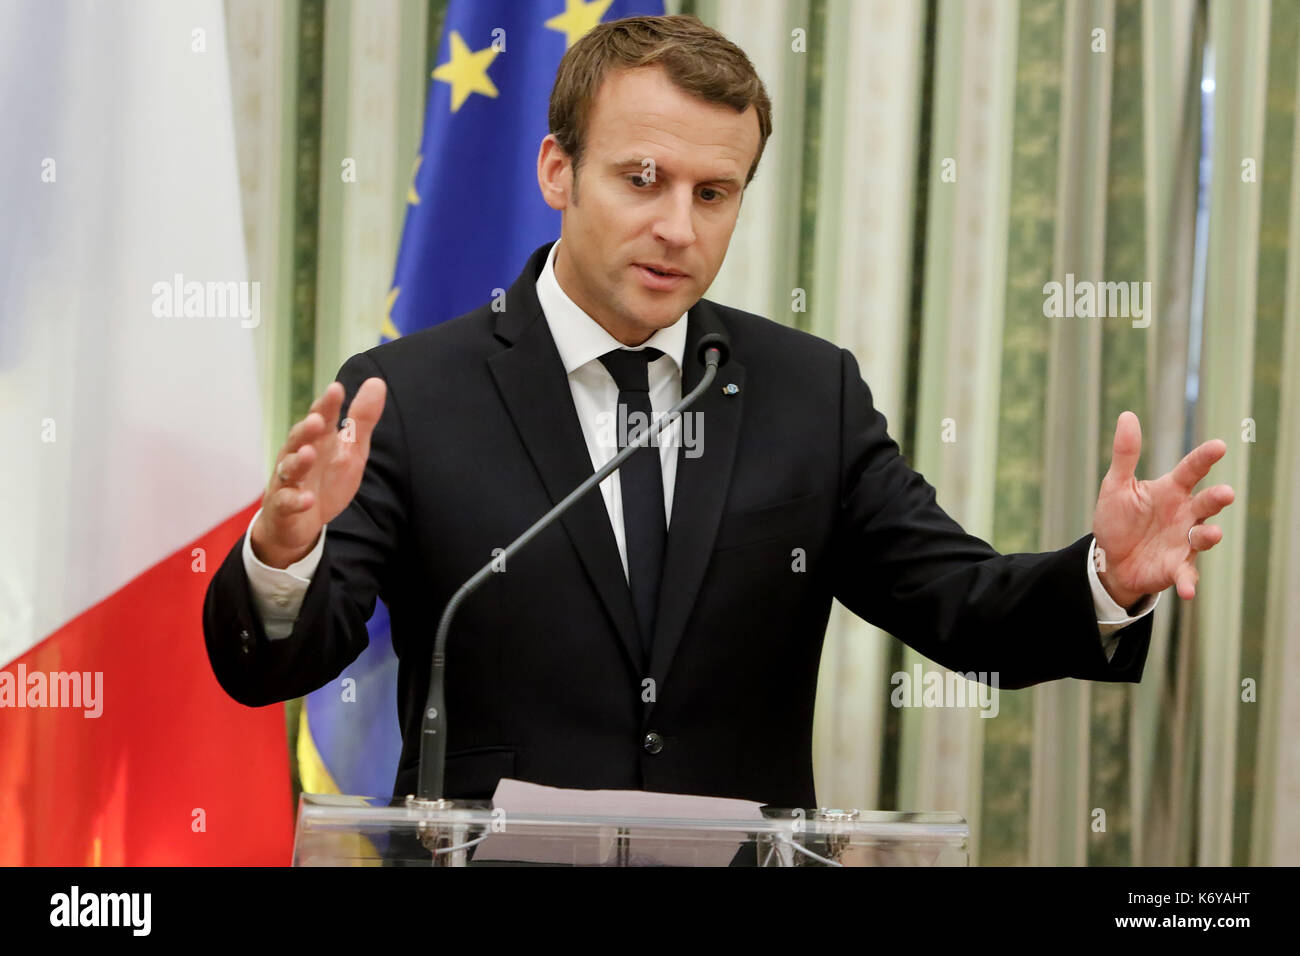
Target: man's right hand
317, 473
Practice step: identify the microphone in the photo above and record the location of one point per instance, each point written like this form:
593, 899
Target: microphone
713, 342
712, 350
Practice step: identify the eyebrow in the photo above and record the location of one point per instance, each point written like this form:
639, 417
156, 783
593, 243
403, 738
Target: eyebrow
639, 161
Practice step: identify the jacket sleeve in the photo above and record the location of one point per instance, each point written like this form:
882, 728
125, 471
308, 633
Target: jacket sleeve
358, 564
901, 563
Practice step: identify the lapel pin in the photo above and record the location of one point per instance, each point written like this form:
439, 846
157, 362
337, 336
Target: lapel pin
731, 388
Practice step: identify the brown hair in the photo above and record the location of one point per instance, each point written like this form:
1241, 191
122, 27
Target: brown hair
698, 60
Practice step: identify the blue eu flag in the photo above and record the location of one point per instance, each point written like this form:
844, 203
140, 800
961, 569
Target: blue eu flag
474, 215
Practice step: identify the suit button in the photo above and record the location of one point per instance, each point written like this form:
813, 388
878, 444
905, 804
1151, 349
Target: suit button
653, 743
246, 641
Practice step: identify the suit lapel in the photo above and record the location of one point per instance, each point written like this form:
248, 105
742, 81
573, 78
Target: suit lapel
532, 383
531, 379
700, 490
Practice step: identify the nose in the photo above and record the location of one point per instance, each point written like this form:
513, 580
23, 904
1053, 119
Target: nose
675, 224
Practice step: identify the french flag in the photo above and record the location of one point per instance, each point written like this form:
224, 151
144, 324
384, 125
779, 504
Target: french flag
131, 450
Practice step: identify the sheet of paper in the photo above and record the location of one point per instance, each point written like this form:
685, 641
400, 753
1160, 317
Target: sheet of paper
667, 848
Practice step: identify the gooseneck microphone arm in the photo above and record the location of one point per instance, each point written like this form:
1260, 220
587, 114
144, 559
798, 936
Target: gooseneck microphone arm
713, 350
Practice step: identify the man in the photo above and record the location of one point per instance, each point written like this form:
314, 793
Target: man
666, 634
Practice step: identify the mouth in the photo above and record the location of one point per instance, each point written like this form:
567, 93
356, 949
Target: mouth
659, 277
661, 270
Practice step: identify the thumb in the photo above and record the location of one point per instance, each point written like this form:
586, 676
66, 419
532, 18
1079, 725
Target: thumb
1126, 449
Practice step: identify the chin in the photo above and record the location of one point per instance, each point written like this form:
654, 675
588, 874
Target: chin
664, 314
651, 317
657, 324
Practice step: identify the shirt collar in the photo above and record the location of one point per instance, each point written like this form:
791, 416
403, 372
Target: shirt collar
581, 339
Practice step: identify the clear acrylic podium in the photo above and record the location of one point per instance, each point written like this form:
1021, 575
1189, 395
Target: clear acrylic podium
371, 831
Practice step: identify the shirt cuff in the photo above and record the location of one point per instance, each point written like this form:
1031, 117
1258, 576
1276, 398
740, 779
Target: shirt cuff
1110, 616
278, 593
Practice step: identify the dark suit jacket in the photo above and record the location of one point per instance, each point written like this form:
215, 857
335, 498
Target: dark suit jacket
479, 437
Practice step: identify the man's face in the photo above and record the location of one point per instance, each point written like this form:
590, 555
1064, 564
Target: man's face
659, 188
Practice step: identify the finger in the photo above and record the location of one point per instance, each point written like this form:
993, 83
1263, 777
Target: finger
294, 467
1196, 463
1211, 501
313, 425
1185, 581
290, 501
1205, 536
330, 403
366, 408
1126, 449
304, 432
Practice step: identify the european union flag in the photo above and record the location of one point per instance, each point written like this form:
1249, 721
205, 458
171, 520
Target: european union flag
474, 215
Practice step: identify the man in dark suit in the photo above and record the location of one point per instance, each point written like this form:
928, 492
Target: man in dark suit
665, 635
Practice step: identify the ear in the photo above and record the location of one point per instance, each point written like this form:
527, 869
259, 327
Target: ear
554, 173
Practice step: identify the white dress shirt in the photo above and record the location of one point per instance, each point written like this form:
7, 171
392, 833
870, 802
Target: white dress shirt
581, 341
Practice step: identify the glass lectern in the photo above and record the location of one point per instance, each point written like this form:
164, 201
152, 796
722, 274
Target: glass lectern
370, 831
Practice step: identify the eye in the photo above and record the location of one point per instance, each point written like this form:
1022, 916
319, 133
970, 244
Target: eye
636, 180
716, 193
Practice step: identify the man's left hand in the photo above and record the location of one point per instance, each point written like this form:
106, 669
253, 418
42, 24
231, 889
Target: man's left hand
1141, 527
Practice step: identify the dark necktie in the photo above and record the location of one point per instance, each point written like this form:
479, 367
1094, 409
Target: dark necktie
642, 482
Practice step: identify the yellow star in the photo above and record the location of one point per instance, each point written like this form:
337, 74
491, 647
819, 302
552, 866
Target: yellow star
412, 196
466, 71
578, 17
388, 330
